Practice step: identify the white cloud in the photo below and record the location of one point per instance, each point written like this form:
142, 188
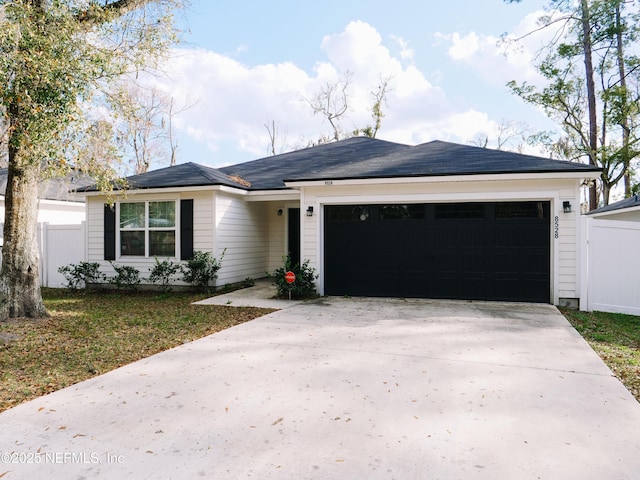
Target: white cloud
232, 101
406, 53
498, 61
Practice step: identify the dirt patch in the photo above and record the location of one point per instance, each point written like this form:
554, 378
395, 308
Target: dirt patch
6, 338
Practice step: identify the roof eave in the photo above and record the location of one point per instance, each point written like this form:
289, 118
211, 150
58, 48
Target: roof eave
160, 190
450, 177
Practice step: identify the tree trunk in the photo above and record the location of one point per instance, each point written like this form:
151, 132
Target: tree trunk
606, 191
626, 130
20, 294
591, 97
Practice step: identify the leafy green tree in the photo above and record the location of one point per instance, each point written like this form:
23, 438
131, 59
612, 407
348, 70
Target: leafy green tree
56, 57
592, 88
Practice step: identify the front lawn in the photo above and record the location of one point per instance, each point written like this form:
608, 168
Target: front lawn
93, 333
616, 338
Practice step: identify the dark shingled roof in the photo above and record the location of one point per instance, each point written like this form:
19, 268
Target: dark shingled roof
183, 175
439, 158
355, 158
56, 188
626, 203
362, 157
270, 172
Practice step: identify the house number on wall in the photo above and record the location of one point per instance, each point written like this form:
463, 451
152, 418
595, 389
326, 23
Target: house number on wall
328, 182
556, 226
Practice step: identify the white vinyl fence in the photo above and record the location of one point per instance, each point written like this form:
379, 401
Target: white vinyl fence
60, 245
611, 263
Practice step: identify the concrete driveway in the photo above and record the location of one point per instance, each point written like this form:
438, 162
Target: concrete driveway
345, 389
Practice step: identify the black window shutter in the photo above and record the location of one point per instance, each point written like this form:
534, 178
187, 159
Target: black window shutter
109, 232
186, 229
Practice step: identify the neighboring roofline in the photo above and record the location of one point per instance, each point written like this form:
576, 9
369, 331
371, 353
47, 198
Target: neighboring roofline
616, 211
50, 201
630, 204
46, 201
462, 177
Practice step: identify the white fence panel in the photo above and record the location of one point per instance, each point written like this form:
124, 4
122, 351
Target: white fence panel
613, 263
60, 245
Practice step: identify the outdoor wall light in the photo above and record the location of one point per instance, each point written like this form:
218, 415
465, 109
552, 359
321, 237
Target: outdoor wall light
279, 212
309, 211
566, 206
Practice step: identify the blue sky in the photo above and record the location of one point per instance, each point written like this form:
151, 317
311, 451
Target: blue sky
245, 64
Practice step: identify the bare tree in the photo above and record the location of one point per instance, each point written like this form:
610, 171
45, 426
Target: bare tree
332, 102
277, 142
379, 97
141, 126
509, 135
173, 142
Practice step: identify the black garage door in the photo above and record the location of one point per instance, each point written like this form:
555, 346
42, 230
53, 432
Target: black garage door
473, 251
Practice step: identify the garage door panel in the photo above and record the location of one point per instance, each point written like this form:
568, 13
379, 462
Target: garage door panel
489, 251
472, 287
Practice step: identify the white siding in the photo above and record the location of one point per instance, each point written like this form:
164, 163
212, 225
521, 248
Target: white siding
242, 229
202, 229
564, 279
95, 229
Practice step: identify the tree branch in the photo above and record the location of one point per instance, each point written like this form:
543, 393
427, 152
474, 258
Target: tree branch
97, 14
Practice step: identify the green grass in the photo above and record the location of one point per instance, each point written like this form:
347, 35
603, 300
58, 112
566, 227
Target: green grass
616, 339
93, 333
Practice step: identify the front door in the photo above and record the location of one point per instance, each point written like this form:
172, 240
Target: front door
293, 236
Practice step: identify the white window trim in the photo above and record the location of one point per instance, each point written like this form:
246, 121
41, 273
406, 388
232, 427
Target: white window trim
146, 229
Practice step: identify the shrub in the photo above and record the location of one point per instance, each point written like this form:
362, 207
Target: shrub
202, 269
162, 273
127, 277
303, 287
81, 275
